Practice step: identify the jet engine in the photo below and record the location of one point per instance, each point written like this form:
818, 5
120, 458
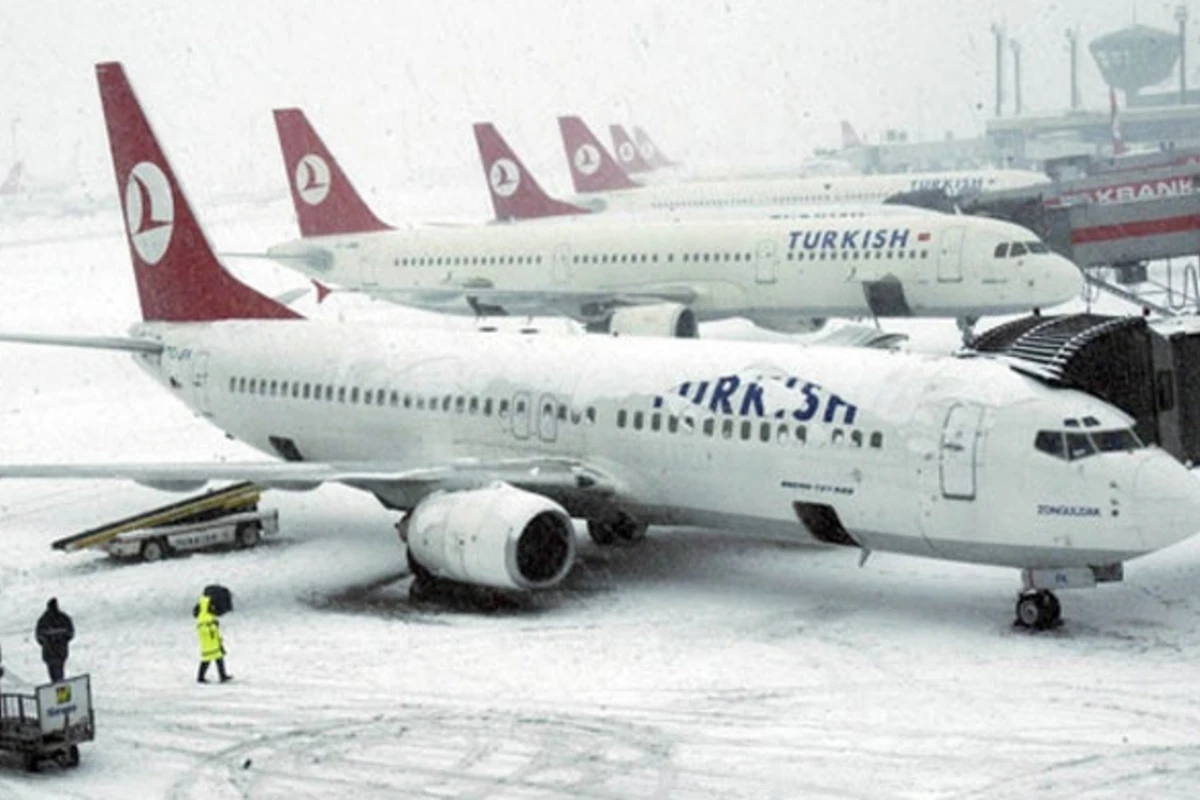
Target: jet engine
498, 536
659, 319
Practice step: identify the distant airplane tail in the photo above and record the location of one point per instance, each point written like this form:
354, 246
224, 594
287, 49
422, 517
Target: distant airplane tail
592, 168
850, 138
325, 200
12, 182
627, 153
515, 193
1118, 141
178, 277
649, 151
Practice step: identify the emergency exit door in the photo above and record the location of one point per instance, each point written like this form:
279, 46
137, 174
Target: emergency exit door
949, 256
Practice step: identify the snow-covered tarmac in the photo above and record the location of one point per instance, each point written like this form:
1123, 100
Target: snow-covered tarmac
697, 664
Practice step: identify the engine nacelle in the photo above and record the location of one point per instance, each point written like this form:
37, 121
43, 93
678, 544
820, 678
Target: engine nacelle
498, 536
659, 319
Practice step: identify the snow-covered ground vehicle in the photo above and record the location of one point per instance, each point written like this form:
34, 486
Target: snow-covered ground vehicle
49, 724
241, 530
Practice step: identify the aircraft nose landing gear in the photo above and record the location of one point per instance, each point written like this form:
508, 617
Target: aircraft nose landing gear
1039, 610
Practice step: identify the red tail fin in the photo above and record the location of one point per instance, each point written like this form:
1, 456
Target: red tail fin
627, 154
515, 193
592, 168
650, 153
12, 182
178, 277
325, 200
850, 138
1118, 141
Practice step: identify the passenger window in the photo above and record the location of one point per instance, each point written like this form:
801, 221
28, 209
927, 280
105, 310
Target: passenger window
520, 407
460, 403
747, 428
367, 397
837, 436
622, 415
672, 423
307, 391
1079, 446
801, 434
394, 399
341, 394
1018, 249
877, 440
474, 407
856, 438
562, 412
232, 385
1001, 250
638, 419
329, 393
764, 432
709, 426
241, 384
727, 428
590, 415
448, 399
487, 406
655, 421
274, 387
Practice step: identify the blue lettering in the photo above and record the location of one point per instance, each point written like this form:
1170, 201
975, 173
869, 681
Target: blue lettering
832, 406
899, 239
811, 239
878, 240
811, 403
793, 239
725, 388
753, 400
849, 239
829, 240
701, 388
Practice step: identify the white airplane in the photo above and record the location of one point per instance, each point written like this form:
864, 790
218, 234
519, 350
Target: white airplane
659, 277
491, 443
601, 184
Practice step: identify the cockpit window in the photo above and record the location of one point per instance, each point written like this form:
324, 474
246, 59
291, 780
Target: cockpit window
1079, 446
1018, 249
1050, 442
1037, 247
1001, 250
1109, 441
1074, 445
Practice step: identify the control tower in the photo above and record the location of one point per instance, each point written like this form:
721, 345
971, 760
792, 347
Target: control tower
1135, 57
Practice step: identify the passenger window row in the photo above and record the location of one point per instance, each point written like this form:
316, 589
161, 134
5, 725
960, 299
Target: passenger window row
730, 428
779, 200
382, 396
464, 261
832, 255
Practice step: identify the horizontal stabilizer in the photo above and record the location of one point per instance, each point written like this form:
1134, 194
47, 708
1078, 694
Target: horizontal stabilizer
126, 343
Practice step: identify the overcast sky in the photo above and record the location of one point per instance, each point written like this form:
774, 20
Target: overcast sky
394, 86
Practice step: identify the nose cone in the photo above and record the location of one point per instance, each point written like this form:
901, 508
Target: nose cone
1167, 499
1059, 280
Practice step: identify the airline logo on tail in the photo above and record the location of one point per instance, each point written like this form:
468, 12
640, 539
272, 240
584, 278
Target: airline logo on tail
504, 177
587, 159
626, 152
646, 147
312, 179
149, 211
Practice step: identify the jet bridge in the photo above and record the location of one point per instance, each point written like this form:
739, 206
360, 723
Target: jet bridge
1148, 368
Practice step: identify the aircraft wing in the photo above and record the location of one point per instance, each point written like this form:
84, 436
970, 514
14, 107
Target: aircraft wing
128, 343
554, 476
583, 305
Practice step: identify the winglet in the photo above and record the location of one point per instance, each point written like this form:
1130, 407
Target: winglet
515, 193
592, 168
325, 200
178, 277
650, 152
12, 182
850, 138
628, 155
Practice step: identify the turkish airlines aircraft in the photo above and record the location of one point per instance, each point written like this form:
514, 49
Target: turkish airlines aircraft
491, 443
657, 277
601, 184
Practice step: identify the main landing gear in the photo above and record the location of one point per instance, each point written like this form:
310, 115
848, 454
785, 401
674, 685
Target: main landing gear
620, 528
1039, 610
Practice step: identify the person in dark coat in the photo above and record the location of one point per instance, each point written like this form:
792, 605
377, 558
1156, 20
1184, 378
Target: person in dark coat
54, 632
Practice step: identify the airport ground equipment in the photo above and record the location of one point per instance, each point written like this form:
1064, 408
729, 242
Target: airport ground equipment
225, 517
1149, 368
49, 724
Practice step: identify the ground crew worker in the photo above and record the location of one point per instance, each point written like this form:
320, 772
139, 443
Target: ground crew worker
53, 632
212, 648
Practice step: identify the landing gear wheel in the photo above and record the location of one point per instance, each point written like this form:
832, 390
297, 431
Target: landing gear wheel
249, 534
153, 550
423, 582
1038, 610
69, 757
621, 528
31, 762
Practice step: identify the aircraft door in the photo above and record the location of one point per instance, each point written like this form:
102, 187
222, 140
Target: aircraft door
765, 262
960, 444
520, 414
949, 259
369, 272
200, 381
560, 268
547, 422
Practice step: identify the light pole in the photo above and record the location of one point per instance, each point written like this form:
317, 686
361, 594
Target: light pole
1073, 38
1016, 51
1181, 16
998, 32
